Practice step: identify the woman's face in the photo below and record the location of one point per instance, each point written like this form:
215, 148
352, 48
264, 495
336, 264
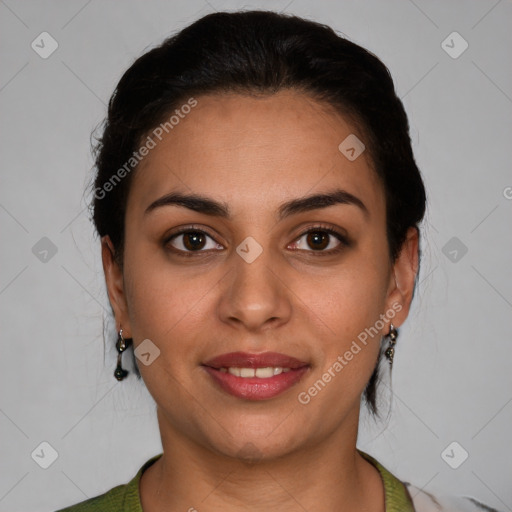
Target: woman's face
254, 276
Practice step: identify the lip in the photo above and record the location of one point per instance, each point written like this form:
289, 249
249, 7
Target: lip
246, 360
255, 388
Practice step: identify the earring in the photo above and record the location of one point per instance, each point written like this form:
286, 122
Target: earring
121, 345
390, 351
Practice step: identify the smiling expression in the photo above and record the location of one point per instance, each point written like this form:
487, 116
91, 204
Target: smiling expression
248, 231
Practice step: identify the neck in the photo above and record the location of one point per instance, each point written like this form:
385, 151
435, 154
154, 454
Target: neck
325, 476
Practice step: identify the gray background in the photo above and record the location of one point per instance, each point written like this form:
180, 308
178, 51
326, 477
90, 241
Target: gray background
452, 378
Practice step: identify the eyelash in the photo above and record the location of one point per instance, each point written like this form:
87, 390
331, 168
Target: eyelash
344, 241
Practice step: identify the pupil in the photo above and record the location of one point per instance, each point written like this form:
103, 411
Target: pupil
193, 241
318, 240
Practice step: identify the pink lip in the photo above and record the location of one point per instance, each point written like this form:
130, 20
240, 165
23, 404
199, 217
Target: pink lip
255, 388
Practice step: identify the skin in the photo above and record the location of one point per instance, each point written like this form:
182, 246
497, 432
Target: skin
254, 153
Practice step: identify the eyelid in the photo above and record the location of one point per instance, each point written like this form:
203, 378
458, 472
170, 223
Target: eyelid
338, 233
319, 226
191, 228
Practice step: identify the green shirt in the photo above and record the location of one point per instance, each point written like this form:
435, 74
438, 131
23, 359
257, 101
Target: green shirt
126, 497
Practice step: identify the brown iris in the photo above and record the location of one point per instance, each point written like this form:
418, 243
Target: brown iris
318, 240
194, 240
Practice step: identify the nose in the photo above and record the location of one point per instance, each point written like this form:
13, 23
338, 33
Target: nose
255, 295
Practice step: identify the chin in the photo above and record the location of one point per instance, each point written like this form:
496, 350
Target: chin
253, 441
252, 451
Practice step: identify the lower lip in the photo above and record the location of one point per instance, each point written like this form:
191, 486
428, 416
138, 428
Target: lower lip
254, 388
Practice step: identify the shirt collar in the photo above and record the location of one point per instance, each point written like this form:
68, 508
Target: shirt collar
397, 498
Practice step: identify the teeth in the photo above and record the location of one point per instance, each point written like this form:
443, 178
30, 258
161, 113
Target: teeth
247, 372
265, 373
261, 373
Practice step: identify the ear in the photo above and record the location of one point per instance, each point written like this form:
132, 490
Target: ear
115, 286
404, 271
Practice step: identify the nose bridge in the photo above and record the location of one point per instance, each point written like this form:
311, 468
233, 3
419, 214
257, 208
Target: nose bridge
254, 295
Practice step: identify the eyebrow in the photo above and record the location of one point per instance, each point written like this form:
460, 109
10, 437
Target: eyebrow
208, 206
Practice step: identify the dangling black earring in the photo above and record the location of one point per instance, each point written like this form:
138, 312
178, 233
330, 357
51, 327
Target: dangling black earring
390, 351
121, 345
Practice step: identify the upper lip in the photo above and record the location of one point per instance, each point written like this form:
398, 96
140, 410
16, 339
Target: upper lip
262, 360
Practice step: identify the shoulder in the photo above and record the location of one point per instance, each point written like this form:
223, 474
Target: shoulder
122, 498
111, 500
426, 502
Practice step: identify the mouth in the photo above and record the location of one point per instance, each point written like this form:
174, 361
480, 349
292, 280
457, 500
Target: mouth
255, 376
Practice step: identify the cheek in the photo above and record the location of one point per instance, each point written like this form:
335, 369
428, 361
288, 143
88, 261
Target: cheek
348, 300
162, 299
346, 352
347, 309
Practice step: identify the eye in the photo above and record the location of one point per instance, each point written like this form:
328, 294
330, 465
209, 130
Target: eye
322, 240
191, 240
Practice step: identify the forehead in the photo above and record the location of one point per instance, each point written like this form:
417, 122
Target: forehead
247, 150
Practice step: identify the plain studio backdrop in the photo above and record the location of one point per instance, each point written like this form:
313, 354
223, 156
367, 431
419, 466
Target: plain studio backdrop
69, 430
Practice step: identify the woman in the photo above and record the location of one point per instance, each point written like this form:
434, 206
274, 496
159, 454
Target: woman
259, 204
